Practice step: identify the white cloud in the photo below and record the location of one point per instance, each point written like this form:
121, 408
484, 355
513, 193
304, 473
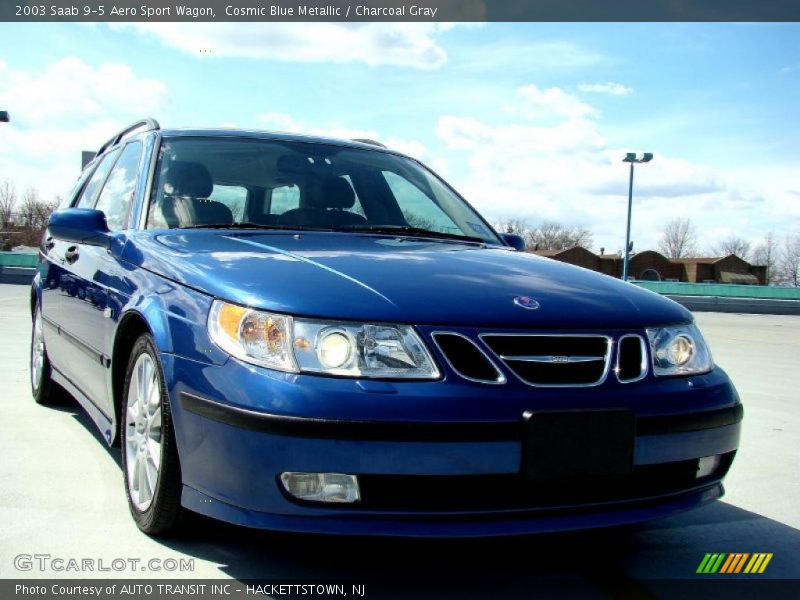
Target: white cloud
553, 102
67, 107
554, 163
71, 88
398, 44
615, 89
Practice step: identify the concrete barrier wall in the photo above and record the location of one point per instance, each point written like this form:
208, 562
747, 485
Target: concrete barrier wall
18, 259
754, 306
18, 275
720, 290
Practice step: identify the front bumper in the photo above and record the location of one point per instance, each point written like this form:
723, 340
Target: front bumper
239, 427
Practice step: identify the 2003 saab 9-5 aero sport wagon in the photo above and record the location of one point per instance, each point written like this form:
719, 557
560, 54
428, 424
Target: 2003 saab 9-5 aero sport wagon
318, 335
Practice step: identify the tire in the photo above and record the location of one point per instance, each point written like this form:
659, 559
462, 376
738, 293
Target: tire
42, 386
150, 465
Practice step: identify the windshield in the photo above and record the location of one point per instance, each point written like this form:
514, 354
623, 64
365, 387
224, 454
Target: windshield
238, 182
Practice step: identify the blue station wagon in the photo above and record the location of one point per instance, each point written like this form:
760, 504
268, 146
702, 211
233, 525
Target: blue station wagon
319, 335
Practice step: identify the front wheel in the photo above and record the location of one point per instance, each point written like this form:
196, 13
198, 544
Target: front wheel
149, 455
41, 383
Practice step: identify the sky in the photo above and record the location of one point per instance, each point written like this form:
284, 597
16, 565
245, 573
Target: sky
526, 120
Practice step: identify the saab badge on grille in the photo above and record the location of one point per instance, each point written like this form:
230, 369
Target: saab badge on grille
526, 302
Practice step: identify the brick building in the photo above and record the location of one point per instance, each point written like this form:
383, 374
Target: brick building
654, 266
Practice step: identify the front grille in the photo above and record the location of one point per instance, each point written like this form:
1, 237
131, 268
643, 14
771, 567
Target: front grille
454, 493
553, 360
467, 359
631, 359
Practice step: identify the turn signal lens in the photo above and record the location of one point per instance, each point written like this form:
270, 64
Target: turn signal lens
251, 335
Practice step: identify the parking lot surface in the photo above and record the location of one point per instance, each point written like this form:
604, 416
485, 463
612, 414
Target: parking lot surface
61, 494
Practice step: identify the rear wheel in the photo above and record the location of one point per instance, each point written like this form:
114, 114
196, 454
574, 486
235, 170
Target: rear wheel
42, 387
149, 456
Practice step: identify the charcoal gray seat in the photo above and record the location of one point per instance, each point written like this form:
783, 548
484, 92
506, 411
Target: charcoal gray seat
327, 201
185, 202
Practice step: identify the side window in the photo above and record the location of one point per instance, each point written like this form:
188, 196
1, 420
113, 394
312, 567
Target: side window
89, 195
418, 209
67, 200
284, 198
232, 196
117, 195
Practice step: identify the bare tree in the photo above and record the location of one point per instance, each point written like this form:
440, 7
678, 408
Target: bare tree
732, 245
679, 238
8, 201
512, 225
29, 209
766, 254
789, 262
43, 211
551, 235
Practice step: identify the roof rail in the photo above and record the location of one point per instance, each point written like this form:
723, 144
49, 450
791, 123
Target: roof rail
148, 124
368, 141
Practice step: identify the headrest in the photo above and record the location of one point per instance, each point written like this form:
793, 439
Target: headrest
209, 211
331, 192
188, 179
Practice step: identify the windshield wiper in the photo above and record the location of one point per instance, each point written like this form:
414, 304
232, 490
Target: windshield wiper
249, 225
412, 232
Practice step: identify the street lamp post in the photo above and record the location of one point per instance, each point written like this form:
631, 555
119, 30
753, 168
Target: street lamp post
630, 157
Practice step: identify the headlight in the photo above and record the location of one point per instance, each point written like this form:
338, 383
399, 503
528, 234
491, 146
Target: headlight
679, 350
369, 350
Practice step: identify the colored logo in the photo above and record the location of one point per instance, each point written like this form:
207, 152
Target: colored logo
526, 302
733, 563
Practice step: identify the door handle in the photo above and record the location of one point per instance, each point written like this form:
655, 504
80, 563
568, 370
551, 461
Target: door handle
71, 255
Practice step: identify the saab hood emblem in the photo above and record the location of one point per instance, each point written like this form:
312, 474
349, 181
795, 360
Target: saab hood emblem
526, 302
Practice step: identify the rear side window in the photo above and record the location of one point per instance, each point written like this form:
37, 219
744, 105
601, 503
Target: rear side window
117, 195
89, 195
232, 196
284, 198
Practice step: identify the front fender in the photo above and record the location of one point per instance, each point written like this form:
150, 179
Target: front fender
176, 317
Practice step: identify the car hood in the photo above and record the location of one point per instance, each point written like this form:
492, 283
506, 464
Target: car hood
384, 278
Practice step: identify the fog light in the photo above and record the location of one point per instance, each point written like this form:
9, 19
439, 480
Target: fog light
321, 487
706, 466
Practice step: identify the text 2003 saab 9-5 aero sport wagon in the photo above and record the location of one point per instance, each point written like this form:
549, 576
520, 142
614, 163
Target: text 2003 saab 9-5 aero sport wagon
318, 335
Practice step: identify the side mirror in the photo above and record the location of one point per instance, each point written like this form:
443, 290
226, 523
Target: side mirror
80, 225
515, 241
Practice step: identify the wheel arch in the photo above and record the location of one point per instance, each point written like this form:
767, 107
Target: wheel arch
132, 324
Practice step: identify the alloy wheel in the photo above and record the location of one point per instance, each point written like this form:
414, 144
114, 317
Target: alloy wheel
143, 433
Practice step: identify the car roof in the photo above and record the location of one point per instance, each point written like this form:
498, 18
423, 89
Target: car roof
273, 135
